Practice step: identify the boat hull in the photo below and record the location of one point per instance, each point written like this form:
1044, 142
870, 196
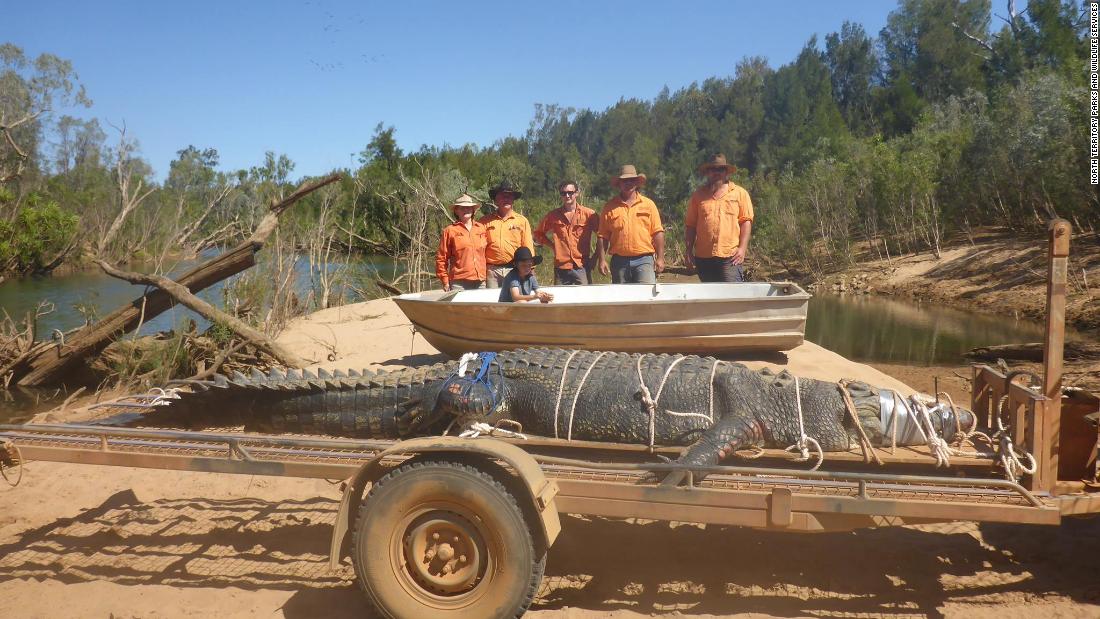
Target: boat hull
684, 318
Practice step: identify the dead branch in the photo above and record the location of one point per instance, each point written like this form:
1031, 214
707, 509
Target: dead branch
191, 228
388, 288
128, 199
61, 255
1073, 351
219, 361
217, 235
374, 246
49, 360
184, 297
984, 44
68, 400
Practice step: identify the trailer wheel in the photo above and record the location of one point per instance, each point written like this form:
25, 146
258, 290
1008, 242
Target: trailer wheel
444, 539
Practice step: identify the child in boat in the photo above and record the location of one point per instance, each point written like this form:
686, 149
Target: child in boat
520, 285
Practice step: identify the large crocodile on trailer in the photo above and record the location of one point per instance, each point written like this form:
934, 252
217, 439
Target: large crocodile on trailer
713, 407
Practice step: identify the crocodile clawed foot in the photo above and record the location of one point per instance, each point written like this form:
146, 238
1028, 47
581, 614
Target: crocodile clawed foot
663, 478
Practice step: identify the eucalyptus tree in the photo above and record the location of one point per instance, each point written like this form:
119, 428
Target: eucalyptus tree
30, 91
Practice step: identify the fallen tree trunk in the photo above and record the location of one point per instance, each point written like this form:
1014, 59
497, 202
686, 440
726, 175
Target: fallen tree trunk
180, 294
42, 366
1072, 351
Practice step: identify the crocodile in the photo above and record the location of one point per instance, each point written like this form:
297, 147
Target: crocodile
712, 407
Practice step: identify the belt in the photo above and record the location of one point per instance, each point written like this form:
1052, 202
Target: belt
497, 266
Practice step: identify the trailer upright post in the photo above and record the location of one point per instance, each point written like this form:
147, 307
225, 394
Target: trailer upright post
1048, 424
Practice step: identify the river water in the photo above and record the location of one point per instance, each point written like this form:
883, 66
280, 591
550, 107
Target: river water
887, 330
862, 328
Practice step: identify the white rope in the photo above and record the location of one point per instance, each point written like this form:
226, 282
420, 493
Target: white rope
464, 361
573, 408
1009, 457
678, 414
561, 388
164, 396
936, 444
804, 442
649, 402
710, 411
1011, 462
478, 428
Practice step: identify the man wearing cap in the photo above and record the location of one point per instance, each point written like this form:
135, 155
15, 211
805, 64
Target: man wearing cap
520, 284
718, 224
630, 229
506, 232
572, 226
460, 261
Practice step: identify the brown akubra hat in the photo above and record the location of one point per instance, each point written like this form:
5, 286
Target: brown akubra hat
717, 161
627, 171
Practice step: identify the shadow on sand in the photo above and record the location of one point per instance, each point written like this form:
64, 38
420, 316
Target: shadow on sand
597, 565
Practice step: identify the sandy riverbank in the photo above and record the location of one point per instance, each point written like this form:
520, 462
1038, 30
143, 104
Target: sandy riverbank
97, 542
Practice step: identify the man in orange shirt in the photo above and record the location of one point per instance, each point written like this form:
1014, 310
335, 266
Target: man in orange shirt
572, 226
718, 224
460, 261
506, 231
631, 230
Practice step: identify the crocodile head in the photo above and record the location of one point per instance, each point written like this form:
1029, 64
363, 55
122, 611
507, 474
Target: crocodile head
468, 400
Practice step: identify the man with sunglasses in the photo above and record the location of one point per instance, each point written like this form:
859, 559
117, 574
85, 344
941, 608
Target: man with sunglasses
572, 226
631, 231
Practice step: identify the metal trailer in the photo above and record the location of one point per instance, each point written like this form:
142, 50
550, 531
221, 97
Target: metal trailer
461, 527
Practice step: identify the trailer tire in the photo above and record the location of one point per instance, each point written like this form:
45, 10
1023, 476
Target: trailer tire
444, 539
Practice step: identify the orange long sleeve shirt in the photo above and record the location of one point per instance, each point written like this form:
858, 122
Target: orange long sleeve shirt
717, 221
461, 253
629, 228
505, 235
572, 235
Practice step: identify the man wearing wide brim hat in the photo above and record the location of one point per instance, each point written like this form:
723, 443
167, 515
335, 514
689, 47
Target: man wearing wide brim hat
521, 285
718, 224
631, 231
506, 232
460, 261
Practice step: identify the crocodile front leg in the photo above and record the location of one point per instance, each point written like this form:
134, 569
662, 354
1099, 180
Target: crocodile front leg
729, 434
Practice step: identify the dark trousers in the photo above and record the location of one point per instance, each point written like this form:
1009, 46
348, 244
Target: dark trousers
633, 269
571, 277
719, 270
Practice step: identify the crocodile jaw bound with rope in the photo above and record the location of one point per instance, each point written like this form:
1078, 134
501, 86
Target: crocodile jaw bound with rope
713, 407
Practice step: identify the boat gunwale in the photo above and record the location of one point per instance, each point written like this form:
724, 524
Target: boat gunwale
799, 296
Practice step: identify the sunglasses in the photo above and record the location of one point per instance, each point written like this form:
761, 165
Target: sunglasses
568, 193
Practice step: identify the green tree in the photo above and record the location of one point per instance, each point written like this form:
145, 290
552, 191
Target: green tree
29, 91
852, 67
801, 117
928, 57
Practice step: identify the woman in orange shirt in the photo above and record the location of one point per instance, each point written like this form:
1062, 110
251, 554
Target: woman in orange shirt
460, 260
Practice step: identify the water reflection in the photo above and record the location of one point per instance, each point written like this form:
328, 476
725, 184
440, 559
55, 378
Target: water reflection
865, 328
95, 292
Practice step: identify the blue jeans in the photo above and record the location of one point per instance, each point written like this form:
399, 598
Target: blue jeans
633, 270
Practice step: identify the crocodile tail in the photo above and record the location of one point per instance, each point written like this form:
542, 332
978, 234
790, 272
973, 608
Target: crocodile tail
362, 404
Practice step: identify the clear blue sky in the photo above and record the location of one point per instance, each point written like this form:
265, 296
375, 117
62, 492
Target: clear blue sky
311, 79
